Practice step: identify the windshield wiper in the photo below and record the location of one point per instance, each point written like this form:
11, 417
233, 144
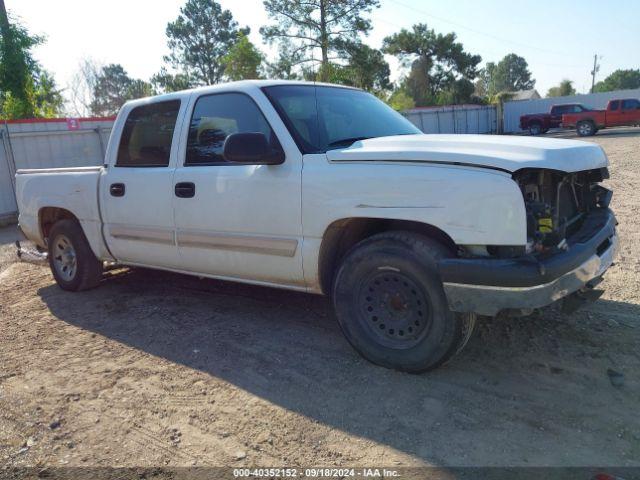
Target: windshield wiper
347, 141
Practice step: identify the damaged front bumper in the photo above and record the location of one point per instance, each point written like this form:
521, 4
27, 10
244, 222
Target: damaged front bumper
489, 286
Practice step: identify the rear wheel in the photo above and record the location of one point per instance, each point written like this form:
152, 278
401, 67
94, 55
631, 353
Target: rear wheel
586, 128
391, 306
72, 262
535, 129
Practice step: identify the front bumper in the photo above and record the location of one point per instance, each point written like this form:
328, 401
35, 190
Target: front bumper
489, 286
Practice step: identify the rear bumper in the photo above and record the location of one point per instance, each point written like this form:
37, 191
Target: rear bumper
488, 286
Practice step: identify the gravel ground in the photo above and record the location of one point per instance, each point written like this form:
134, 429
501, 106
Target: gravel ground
157, 369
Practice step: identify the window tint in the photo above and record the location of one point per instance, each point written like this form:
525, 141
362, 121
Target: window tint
147, 134
630, 104
214, 118
614, 105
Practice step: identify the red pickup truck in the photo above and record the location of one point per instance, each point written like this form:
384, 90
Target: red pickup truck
619, 113
538, 123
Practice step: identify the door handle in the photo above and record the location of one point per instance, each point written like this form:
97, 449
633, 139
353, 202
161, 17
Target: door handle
185, 189
117, 189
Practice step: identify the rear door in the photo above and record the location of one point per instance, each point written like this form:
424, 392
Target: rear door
136, 190
233, 220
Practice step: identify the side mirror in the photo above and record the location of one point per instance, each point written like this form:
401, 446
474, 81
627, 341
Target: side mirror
251, 148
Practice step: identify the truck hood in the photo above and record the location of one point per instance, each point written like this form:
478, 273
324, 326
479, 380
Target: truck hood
507, 153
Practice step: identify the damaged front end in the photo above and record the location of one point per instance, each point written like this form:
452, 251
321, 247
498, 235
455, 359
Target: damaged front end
571, 241
557, 203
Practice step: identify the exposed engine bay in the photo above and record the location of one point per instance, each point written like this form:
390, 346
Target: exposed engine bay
557, 203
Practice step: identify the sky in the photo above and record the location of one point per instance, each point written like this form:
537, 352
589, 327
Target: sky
558, 38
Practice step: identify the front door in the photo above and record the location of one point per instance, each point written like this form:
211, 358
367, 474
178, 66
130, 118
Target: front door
237, 221
614, 114
136, 190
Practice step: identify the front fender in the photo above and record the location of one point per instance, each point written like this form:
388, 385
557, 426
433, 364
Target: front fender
474, 206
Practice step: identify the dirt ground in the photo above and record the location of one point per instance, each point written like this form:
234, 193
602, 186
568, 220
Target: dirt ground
157, 369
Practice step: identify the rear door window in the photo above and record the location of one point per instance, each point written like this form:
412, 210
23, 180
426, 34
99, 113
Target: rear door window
147, 135
614, 105
630, 104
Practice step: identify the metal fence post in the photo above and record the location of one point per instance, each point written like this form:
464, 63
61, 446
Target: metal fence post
11, 161
11, 165
102, 149
455, 126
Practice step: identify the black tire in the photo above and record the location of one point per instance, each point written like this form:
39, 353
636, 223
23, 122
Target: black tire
391, 305
68, 247
586, 128
535, 129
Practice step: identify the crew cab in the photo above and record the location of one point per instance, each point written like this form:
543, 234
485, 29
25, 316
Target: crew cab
619, 113
325, 189
538, 123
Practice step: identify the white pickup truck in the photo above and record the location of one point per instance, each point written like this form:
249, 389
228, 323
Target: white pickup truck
325, 189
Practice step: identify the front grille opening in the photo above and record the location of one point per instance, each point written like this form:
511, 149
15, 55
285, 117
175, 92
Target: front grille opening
559, 204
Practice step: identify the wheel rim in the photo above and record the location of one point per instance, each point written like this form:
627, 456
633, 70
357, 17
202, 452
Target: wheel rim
535, 130
585, 128
64, 257
394, 309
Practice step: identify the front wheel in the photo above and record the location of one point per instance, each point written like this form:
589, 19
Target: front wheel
72, 262
535, 129
586, 129
391, 305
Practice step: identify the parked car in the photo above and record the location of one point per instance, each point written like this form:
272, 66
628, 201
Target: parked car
619, 113
327, 190
538, 123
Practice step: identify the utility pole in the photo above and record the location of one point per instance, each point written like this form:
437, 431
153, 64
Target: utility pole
595, 70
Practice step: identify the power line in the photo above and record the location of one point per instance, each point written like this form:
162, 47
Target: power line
494, 52
479, 32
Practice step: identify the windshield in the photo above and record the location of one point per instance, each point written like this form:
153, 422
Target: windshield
321, 118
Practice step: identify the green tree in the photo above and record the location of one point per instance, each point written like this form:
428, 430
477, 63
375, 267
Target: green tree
285, 65
619, 80
316, 28
400, 100
460, 91
511, 74
565, 88
243, 60
437, 62
48, 98
113, 87
365, 67
26, 89
485, 86
165, 82
199, 39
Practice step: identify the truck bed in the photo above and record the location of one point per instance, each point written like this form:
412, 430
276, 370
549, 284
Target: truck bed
74, 189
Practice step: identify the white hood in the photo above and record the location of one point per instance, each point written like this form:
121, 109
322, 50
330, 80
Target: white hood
504, 152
